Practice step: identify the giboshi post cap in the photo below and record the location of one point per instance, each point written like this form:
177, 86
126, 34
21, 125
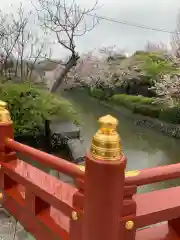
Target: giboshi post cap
3, 104
108, 121
106, 144
4, 113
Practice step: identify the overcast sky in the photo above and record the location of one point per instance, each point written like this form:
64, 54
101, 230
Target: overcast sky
153, 13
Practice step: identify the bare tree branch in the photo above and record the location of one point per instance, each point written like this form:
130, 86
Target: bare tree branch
30, 47
67, 23
175, 43
20, 46
156, 47
7, 41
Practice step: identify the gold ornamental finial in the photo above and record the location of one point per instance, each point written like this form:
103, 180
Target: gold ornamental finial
106, 144
3, 104
4, 113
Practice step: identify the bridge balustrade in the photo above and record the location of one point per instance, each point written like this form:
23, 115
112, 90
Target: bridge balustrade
102, 204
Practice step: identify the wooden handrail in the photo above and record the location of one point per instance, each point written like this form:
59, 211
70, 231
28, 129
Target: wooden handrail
154, 175
51, 161
41, 184
109, 201
43, 198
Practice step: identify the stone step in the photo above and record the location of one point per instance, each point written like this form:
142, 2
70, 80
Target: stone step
65, 129
77, 150
11, 229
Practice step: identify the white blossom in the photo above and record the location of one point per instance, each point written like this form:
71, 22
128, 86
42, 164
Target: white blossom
167, 89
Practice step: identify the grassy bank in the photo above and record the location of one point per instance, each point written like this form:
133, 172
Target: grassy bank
30, 106
141, 105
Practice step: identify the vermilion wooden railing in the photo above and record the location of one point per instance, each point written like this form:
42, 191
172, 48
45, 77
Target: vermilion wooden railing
103, 204
42, 203
148, 208
50, 161
154, 175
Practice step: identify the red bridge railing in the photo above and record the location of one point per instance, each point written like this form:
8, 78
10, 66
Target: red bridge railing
44, 158
102, 204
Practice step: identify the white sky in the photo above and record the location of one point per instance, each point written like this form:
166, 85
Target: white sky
154, 13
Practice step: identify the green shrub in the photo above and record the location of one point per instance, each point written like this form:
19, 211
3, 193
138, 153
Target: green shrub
138, 104
97, 93
145, 106
29, 106
124, 99
147, 110
155, 69
156, 65
171, 115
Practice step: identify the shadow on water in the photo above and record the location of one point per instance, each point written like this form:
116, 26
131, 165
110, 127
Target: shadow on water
143, 147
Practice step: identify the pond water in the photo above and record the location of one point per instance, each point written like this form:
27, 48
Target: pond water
143, 147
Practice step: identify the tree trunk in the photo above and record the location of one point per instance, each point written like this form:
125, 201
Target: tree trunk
21, 68
70, 64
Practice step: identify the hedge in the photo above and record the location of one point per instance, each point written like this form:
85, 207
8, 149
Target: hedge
30, 106
146, 106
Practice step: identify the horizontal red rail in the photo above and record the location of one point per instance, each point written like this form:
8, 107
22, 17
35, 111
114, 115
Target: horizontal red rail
50, 189
47, 199
157, 206
153, 175
51, 161
161, 231
148, 176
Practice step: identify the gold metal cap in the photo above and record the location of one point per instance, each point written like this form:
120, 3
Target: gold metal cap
3, 104
106, 144
4, 113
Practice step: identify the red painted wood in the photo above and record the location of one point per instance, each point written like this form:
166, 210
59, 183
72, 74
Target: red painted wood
104, 187
157, 232
174, 224
128, 213
30, 201
102, 201
75, 232
46, 159
55, 221
153, 175
129, 207
15, 194
31, 223
79, 184
129, 191
6, 131
51, 217
123, 232
157, 206
78, 200
10, 156
43, 185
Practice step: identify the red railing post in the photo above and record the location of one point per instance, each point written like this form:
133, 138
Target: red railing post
6, 131
104, 184
6, 128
